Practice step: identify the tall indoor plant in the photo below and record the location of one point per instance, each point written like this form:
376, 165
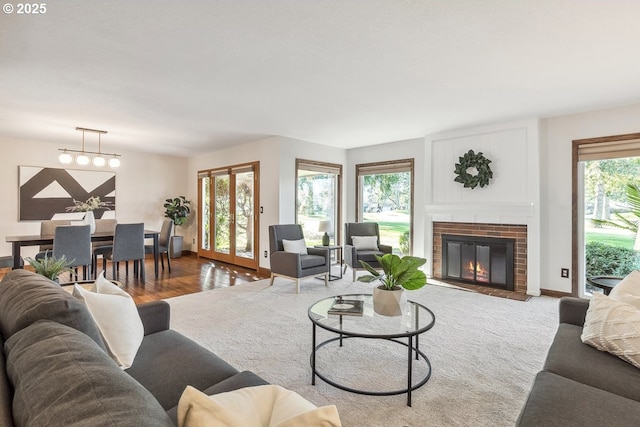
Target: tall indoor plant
398, 274
178, 210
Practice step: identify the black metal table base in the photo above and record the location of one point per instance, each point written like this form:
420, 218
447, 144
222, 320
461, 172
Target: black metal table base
411, 352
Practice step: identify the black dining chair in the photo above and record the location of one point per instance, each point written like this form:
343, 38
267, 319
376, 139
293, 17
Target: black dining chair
128, 245
74, 242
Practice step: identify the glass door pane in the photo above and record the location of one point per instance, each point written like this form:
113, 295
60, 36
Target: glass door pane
244, 215
205, 215
222, 220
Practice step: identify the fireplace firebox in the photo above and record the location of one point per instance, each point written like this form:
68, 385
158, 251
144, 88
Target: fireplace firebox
487, 261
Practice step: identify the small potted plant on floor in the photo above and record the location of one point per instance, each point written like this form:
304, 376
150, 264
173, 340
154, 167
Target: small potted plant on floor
178, 210
398, 274
50, 266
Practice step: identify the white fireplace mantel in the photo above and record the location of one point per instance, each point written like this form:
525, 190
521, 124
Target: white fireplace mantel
493, 213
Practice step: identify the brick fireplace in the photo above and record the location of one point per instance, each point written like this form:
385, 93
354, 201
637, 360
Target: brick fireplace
483, 230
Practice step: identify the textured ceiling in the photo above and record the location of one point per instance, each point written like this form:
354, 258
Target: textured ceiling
183, 78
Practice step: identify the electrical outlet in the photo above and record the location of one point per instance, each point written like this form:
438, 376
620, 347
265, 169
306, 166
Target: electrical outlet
265, 254
564, 272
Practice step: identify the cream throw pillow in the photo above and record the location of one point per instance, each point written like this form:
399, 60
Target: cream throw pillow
295, 246
614, 327
365, 243
117, 318
260, 406
628, 290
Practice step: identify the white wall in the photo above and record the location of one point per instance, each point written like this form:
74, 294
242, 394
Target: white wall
558, 134
412, 148
512, 196
143, 181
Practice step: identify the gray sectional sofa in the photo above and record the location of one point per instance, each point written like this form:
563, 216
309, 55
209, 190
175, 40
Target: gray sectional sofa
56, 371
580, 385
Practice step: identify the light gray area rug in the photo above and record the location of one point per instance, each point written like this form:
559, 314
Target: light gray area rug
484, 351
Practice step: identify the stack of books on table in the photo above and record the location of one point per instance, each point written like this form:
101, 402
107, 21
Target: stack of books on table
346, 307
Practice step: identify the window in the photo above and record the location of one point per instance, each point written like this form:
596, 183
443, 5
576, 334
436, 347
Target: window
318, 190
606, 210
385, 195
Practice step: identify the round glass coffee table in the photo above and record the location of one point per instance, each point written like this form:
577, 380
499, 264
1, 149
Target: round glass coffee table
366, 323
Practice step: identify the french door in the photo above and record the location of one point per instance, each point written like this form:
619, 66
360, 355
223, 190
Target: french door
227, 214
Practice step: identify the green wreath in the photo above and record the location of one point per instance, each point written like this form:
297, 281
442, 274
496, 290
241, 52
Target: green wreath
473, 170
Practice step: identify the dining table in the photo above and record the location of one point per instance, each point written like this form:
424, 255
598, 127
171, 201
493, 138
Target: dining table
17, 242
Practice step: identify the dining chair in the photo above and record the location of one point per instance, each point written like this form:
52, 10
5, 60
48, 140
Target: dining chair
74, 242
362, 243
128, 245
103, 249
163, 242
47, 228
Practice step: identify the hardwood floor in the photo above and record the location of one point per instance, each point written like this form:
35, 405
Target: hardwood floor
189, 274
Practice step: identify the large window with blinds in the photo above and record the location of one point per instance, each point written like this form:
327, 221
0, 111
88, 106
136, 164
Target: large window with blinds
384, 195
227, 214
318, 195
606, 209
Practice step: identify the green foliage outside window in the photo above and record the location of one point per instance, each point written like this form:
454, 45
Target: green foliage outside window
606, 260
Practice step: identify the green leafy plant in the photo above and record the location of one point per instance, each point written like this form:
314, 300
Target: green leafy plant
606, 260
621, 222
398, 272
177, 209
50, 266
473, 170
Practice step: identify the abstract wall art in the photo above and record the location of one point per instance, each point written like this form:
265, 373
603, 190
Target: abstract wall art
44, 192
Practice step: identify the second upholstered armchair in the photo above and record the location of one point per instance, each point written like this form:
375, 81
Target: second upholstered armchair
362, 243
291, 258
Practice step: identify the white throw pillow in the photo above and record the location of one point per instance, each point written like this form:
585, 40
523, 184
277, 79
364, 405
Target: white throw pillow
614, 327
365, 243
117, 317
259, 406
628, 290
295, 246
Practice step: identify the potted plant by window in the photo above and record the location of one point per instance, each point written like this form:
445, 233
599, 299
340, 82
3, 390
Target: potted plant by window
178, 210
50, 266
398, 274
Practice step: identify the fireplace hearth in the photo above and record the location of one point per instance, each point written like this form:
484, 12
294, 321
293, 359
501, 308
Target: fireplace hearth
487, 261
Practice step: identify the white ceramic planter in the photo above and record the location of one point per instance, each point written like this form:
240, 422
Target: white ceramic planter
389, 303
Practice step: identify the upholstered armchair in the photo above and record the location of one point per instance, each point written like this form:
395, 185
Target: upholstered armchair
291, 258
362, 243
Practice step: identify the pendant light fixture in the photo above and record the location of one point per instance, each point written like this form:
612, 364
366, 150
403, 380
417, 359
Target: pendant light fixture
84, 157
